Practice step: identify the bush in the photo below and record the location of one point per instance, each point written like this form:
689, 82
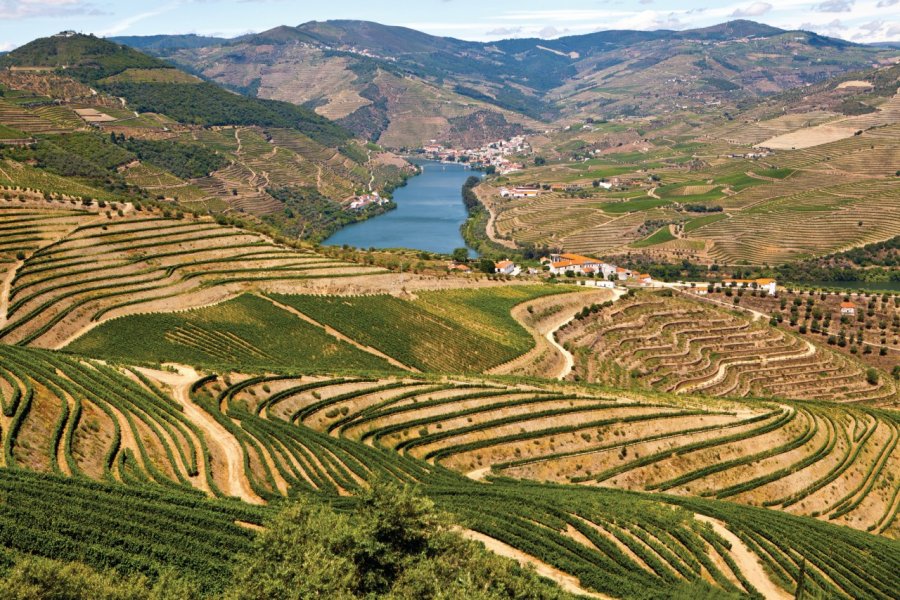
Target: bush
872, 376
393, 544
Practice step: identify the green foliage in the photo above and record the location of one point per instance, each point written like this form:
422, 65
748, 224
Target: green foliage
247, 332
460, 255
392, 544
8, 133
209, 105
142, 530
453, 331
86, 155
85, 57
637, 205
40, 578
662, 235
721, 84
311, 216
187, 161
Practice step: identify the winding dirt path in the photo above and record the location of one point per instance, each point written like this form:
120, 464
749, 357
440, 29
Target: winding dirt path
490, 229
567, 356
747, 562
570, 304
340, 336
180, 382
564, 580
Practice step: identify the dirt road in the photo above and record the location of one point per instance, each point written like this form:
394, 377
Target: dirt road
747, 562
569, 364
564, 580
180, 382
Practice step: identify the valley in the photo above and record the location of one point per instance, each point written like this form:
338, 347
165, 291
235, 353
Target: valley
636, 336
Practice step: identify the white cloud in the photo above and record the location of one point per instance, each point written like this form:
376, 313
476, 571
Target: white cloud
886, 3
552, 32
29, 9
125, 24
504, 31
836, 6
754, 10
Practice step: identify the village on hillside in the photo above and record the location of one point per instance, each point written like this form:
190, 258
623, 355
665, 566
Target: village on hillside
495, 157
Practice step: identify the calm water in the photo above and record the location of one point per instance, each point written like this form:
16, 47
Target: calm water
428, 216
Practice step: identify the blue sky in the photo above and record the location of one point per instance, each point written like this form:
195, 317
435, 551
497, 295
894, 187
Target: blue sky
857, 20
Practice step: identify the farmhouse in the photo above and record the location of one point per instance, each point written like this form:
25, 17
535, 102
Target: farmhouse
770, 286
644, 279
520, 192
623, 274
848, 308
506, 267
460, 268
584, 265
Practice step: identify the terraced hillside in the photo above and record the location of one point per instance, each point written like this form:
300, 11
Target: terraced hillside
262, 437
90, 268
707, 192
189, 142
809, 458
680, 345
447, 330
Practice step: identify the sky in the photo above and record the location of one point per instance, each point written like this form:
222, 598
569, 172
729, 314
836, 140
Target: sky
855, 20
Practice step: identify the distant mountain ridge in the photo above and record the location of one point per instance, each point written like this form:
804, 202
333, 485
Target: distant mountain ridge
370, 76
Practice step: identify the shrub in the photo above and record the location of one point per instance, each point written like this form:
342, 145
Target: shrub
872, 376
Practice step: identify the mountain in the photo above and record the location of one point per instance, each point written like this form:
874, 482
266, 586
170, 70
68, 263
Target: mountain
157, 43
402, 87
173, 136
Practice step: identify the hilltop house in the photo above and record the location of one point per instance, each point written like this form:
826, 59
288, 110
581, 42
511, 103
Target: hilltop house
848, 309
460, 268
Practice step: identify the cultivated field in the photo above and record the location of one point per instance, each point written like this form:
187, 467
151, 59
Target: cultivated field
686, 346
85, 268
786, 205
263, 437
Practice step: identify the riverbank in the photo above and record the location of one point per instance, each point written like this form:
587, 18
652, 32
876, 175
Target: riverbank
428, 216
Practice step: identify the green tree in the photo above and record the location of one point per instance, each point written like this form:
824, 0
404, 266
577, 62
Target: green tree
872, 376
486, 265
394, 544
460, 254
35, 578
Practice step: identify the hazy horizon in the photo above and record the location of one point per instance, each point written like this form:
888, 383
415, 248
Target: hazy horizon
863, 21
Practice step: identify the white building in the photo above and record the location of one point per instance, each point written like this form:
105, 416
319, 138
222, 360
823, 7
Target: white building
507, 267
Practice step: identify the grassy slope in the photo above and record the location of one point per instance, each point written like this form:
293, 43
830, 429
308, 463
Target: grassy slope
450, 331
247, 332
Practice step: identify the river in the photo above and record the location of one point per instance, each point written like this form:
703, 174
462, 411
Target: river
428, 216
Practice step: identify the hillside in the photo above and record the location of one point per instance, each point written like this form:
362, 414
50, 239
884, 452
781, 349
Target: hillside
806, 173
265, 371
199, 400
365, 70
186, 141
